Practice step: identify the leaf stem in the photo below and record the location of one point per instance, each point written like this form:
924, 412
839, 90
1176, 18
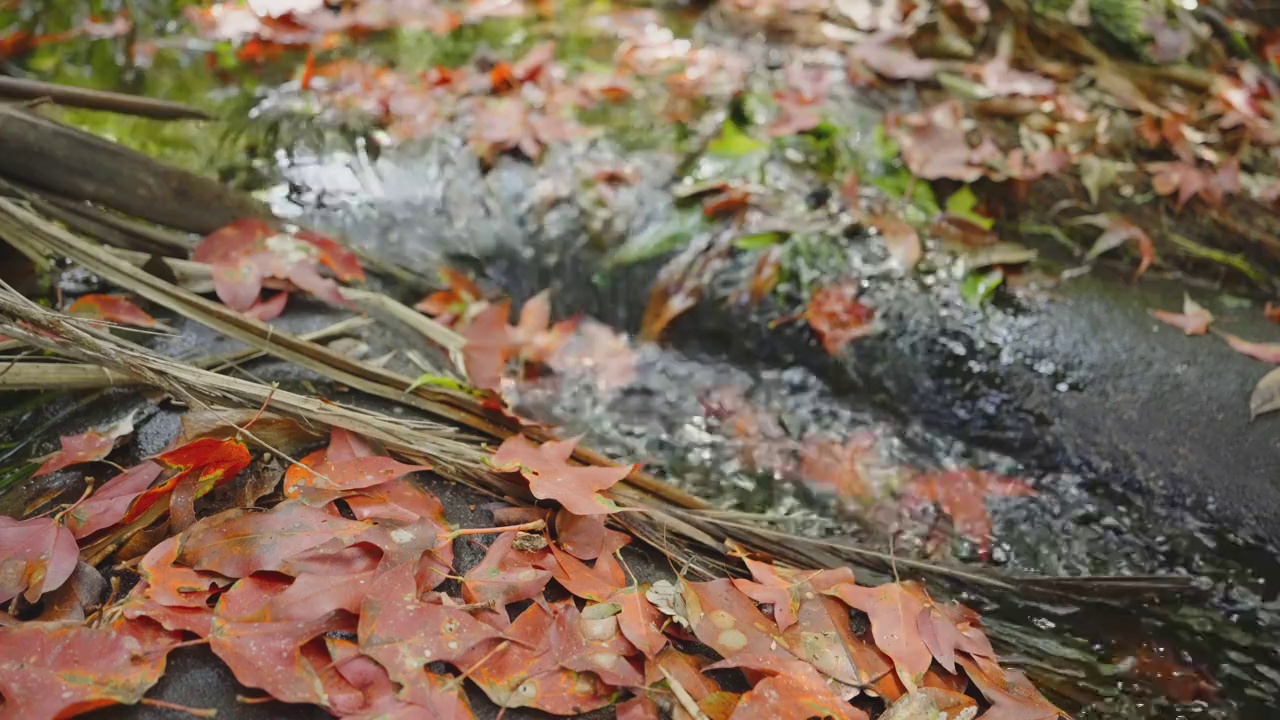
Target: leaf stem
531, 526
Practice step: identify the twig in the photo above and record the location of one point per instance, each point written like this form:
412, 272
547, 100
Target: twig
24, 89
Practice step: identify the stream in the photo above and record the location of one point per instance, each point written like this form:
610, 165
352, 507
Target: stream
731, 402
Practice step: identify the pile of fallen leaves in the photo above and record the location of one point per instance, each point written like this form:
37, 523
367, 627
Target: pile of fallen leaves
340, 588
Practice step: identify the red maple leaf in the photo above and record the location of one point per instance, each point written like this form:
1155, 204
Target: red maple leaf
894, 609
111, 308
551, 477
404, 633
837, 316
89, 446
36, 556
963, 494
247, 252
450, 304
109, 503
1011, 694
506, 575
53, 670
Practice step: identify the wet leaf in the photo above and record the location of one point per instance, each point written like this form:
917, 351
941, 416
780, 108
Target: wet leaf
1266, 352
403, 633
451, 303
728, 622
592, 643
1193, 320
586, 537
88, 446
962, 494
901, 240
505, 575
1011, 694
837, 316
36, 556
246, 252
577, 488
1266, 395
53, 670
238, 542
109, 503
893, 58
934, 146
208, 461
792, 690
894, 609
784, 588
948, 628
639, 621
596, 583
488, 345
285, 658
1115, 232
111, 308
979, 287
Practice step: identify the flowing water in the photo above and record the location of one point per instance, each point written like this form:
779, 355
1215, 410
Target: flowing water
729, 406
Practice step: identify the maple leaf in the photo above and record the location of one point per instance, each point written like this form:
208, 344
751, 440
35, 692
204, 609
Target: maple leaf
36, 556
1193, 320
901, 240
111, 308
962, 494
799, 101
208, 462
892, 58
526, 672
590, 583
109, 503
246, 252
504, 576
1266, 352
933, 144
836, 465
999, 78
729, 622
894, 610
55, 670
593, 642
837, 316
1183, 177
824, 636
1011, 694
403, 633
783, 588
174, 585
450, 304
1115, 232
238, 542
285, 658
89, 446
585, 536
948, 628
488, 345
506, 124
792, 690
639, 621
551, 477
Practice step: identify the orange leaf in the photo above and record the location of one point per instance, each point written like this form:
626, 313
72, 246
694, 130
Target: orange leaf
1011, 694
36, 556
111, 308
86, 447
551, 477
1266, 352
837, 317
1193, 320
894, 609
962, 494
214, 462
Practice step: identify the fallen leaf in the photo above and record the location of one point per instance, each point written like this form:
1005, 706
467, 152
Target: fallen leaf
209, 461
54, 670
962, 494
1193, 320
639, 620
506, 575
246, 252
111, 308
837, 316
238, 542
933, 143
892, 58
450, 304
894, 609
1266, 352
89, 446
577, 488
728, 622
1160, 666
1115, 232
792, 690
36, 556
902, 241
488, 345
404, 634
1011, 694
999, 79
109, 503
1266, 395
948, 628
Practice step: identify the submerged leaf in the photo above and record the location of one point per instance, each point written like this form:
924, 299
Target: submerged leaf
837, 316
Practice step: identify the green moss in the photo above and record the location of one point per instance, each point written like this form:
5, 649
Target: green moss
1118, 20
